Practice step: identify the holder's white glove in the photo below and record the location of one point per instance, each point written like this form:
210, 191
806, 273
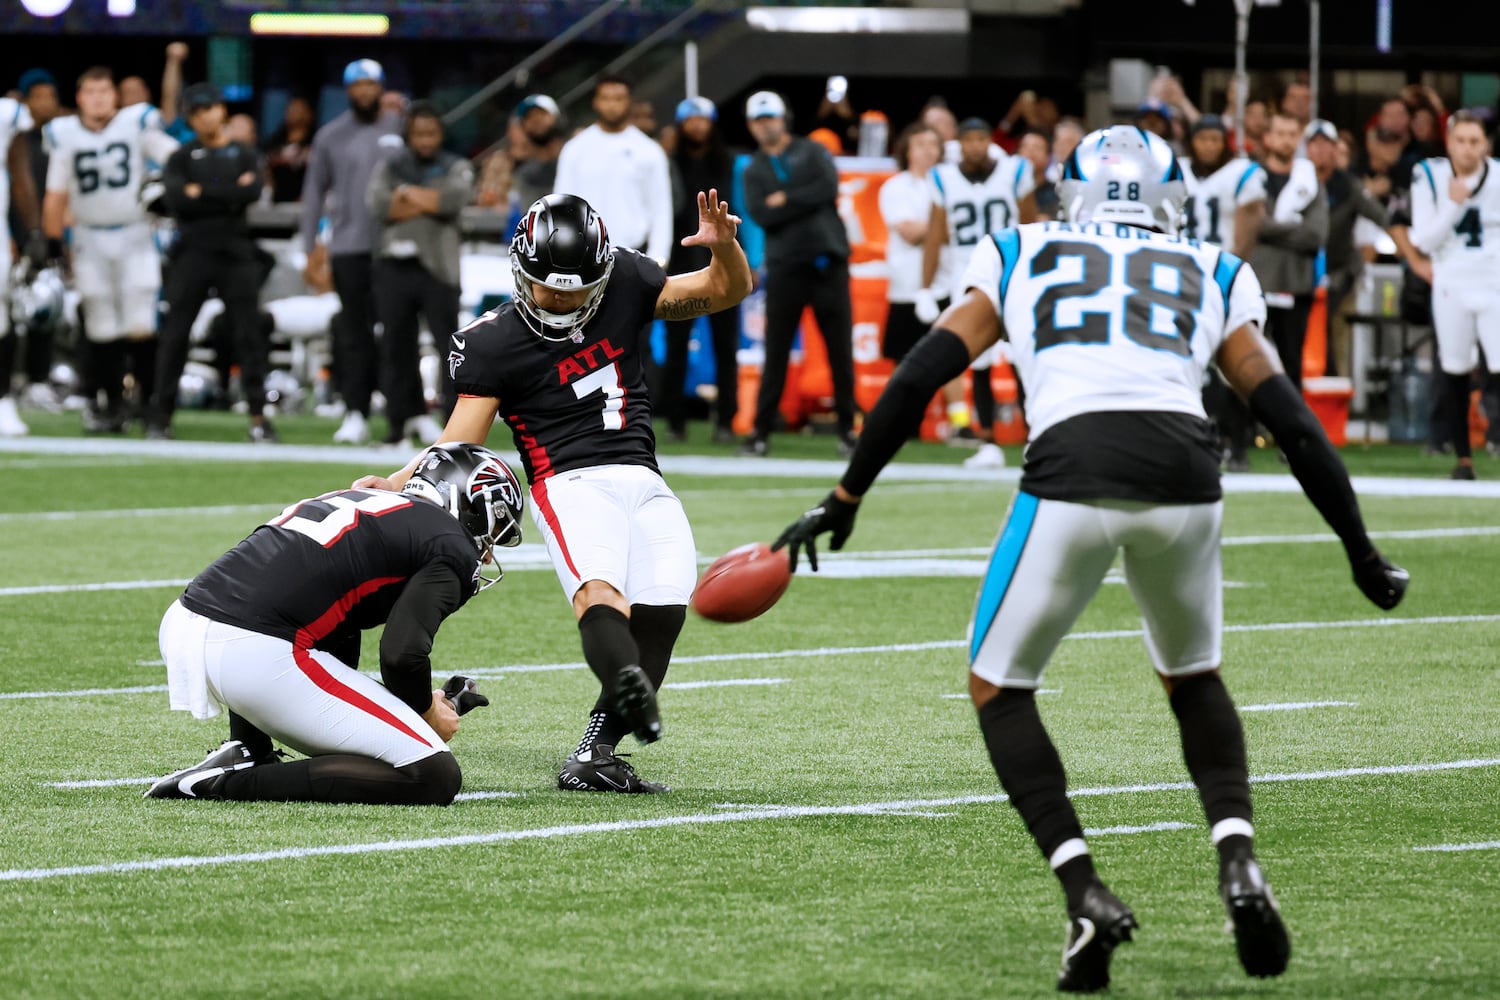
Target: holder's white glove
926, 303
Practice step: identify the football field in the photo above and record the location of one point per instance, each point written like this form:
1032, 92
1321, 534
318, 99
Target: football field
835, 827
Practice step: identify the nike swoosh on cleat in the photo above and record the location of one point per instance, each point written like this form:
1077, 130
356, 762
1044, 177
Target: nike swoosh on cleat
1083, 939
611, 782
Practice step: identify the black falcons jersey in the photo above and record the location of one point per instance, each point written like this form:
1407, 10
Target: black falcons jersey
337, 561
570, 405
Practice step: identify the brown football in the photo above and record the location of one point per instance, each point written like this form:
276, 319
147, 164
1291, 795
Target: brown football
742, 584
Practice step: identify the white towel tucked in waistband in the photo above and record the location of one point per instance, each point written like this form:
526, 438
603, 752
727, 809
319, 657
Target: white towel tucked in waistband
181, 639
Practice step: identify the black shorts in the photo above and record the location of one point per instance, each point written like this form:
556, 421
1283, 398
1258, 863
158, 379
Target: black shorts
903, 329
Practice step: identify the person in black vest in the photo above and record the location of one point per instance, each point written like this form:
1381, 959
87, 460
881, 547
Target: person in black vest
415, 198
704, 163
271, 633
209, 183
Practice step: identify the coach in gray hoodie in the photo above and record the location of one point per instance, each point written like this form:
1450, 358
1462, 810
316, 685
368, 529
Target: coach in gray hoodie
344, 156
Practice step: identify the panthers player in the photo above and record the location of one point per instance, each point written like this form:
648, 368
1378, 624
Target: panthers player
98, 162
1112, 320
271, 631
1455, 209
1226, 204
979, 195
15, 184
561, 365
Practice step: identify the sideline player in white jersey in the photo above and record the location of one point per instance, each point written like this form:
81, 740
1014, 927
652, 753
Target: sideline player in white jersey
1226, 205
979, 195
1112, 320
1455, 214
94, 176
15, 182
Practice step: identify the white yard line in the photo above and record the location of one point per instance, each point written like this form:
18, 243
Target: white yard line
732, 682
101, 782
81, 692
1486, 845
1294, 706
1105, 831
127, 512
737, 815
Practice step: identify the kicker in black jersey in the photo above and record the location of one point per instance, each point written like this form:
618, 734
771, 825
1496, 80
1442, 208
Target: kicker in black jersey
339, 562
570, 404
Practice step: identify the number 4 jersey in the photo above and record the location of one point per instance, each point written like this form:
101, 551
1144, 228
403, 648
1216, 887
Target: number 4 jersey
1463, 239
335, 562
102, 171
574, 403
1111, 330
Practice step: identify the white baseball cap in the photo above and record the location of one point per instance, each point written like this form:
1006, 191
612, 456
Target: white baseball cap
765, 104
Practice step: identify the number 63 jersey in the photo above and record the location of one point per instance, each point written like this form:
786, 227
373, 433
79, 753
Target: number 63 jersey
1111, 330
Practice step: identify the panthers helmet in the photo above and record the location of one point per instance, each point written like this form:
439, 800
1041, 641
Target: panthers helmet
36, 300
1123, 174
560, 242
473, 484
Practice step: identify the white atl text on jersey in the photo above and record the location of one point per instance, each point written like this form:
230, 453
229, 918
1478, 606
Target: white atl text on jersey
976, 209
1213, 200
102, 171
1462, 239
1103, 317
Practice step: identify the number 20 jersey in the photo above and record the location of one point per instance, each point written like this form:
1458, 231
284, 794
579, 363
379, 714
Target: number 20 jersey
570, 404
334, 562
1112, 319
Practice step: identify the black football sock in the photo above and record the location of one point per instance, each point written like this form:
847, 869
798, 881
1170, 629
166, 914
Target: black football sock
1458, 414
984, 401
1032, 775
655, 628
345, 778
142, 357
608, 646
7, 362
256, 742
1213, 746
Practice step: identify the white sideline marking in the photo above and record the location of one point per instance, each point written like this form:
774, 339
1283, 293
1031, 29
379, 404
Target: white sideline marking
1487, 845
736, 815
1105, 831
75, 588
899, 647
1293, 706
81, 515
733, 682
966, 695
100, 782
474, 796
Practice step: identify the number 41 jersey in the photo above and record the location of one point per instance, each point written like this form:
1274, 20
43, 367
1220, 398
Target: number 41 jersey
334, 562
1111, 330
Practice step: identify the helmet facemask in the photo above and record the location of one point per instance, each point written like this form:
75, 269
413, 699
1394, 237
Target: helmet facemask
551, 326
561, 244
479, 491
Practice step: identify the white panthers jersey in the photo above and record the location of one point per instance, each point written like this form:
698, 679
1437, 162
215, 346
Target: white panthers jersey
1213, 200
102, 171
1104, 317
1462, 239
14, 119
977, 209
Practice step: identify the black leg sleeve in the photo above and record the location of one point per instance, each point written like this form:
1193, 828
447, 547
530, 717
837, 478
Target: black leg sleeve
1213, 746
1029, 768
656, 628
984, 399
347, 779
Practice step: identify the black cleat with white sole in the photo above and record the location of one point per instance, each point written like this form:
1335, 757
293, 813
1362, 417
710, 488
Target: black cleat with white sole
601, 770
635, 700
1095, 929
200, 780
1259, 935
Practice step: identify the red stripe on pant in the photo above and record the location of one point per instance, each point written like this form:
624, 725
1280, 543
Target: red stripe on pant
539, 494
319, 675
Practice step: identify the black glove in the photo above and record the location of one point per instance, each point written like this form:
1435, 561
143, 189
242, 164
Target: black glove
833, 515
463, 692
36, 249
1382, 582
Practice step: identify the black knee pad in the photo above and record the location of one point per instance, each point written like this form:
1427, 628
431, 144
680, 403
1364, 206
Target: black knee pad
439, 776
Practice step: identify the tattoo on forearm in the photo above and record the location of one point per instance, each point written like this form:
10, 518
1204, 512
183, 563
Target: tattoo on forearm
684, 308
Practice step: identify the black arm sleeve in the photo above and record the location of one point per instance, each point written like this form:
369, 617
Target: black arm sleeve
1278, 405
433, 593
936, 360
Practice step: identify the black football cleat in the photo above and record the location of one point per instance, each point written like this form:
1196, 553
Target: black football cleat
198, 781
601, 770
1255, 919
635, 699
1095, 929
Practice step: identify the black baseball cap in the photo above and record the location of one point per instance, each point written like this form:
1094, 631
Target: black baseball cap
974, 125
1207, 122
200, 95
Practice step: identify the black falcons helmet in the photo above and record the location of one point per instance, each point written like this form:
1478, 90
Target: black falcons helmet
560, 242
473, 484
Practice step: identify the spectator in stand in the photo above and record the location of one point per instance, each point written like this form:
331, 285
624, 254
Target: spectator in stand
1292, 234
643, 117
704, 163
1065, 138
1394, 118
289, 150
172, 111
836, 114
394, 103
1426, 131
1155, 116
242, 128
622, 173
1028, 113
1251, 139
791, 191
937, 116
1037, 147
906, 206
416, 197
1347, 203
524, 167
345, 154
133, 90
1296, 101
38, 91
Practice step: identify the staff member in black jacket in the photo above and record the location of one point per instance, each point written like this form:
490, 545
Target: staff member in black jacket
209, 182
791, 190
415, 199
